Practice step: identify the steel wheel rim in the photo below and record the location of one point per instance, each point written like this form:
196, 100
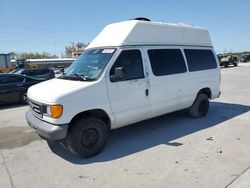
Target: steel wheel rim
89, 137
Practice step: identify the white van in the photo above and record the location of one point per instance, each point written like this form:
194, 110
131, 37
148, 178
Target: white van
132, 71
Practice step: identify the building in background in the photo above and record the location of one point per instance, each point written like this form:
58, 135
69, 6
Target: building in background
74, 50
5, 60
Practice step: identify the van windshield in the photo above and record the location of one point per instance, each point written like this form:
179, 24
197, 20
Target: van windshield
89, 65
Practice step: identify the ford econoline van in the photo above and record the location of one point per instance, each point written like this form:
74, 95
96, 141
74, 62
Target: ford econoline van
132, 71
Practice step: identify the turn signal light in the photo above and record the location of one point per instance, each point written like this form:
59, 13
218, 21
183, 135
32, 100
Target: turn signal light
56, 111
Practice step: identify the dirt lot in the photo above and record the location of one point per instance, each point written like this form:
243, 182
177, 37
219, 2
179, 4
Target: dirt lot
169, 151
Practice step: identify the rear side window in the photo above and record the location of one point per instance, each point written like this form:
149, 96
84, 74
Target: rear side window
200, 59
166, 61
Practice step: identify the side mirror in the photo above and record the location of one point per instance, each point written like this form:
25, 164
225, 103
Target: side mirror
119, 74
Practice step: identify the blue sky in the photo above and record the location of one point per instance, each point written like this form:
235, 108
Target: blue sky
49, 25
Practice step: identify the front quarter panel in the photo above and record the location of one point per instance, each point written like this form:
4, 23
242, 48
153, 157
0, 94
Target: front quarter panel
89, 98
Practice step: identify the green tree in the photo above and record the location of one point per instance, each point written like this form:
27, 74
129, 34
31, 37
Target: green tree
13, 55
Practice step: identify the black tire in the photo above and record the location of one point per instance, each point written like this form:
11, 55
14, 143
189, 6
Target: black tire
226, 65
235, 64
87, 137
23, 98
200, 106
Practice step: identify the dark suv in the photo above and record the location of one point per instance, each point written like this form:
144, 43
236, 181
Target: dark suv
245, 58
37, 73
13, 87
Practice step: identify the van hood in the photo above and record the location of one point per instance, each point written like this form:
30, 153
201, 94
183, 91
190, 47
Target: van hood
55, 90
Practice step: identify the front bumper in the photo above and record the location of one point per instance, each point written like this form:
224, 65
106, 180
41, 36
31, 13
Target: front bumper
46, 130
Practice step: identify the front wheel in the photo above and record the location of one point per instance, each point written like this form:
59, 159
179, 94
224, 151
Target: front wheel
200, 106
87, 137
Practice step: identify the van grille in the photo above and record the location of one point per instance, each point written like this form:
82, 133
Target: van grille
36, 108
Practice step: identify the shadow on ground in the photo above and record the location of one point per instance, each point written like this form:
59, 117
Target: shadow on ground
12, 137
161, 130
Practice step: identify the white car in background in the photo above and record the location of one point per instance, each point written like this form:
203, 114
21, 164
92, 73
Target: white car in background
57, 72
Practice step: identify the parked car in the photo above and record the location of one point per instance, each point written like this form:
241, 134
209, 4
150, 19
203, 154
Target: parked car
226, 60
245, 58
37, 73
13, 87
57, 72
124, 76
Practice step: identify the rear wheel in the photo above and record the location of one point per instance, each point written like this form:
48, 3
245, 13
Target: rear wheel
87, 137
200, 106
235, 64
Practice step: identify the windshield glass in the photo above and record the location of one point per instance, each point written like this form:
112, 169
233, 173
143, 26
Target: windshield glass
89, 65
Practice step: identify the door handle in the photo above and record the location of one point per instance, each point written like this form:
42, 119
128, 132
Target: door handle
146, 92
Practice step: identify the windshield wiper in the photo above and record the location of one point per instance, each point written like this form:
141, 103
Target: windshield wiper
80, 76
75, 77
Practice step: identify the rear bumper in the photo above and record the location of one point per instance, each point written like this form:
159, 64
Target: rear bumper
46, 130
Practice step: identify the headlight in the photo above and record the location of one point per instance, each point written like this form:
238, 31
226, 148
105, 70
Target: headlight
54, 111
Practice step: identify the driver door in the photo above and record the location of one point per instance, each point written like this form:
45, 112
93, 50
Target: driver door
129, 96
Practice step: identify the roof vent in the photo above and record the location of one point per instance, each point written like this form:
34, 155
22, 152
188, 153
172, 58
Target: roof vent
142, 19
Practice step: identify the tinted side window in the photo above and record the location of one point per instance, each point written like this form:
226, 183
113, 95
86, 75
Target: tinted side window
25, 72
38, 72
200, 59
16, 79
42, 71
11, 79
131, 61
166, 61
29, 72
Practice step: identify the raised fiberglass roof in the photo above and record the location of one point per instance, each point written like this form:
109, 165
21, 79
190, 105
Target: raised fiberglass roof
135, 32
